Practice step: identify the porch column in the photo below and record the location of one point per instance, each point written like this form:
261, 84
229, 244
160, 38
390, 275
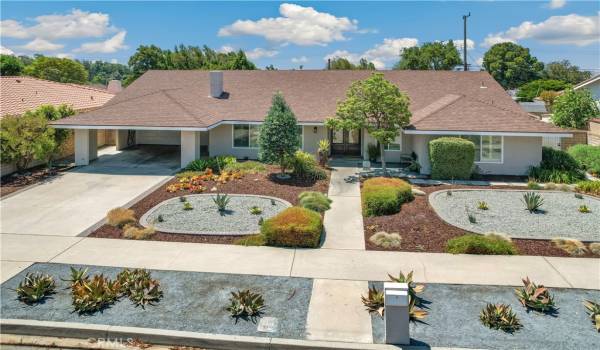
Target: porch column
86, 146
190, 147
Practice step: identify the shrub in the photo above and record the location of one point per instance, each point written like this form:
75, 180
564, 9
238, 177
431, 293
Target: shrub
532, 185
247, 167
573, 109
571, 246
556, 166
293, 227
535, 297
35, 288
373, 152
384, 196
305, 166
500, 316
591, 187
478, 244
587, 156
215, 163
533, 201
593, 311
550, 186
255, 210
595, 248
120, 217
133, 232
451, 158
315, 201
386, 240
251, 240
245, 303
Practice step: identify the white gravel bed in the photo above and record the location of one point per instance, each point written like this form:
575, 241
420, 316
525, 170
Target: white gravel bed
205, 218
559, 215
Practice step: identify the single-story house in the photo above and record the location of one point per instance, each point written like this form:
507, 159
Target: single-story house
218, 113
21, 94
592, 84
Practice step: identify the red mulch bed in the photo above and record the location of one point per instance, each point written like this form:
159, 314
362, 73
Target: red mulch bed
422, 230
15, 182
261, 184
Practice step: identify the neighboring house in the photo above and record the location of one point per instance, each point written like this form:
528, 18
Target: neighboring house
20, 94
592, 84
221, 112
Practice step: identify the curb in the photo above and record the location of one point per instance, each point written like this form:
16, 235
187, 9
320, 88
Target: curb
170, 337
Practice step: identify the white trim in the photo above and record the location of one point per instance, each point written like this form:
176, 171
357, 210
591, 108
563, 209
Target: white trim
486, 133
233, 136
587, 82
133, 127
302, 137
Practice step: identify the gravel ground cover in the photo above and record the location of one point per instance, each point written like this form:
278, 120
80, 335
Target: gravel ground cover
265, 184
204, 218
453, 320
559, 215
193, 301
422, 230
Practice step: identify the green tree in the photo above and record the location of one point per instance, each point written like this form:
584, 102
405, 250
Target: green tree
10, 65
102, 72
574, 108
376, 105
145, 58
62, 70
25, 138
278, 138
565, 71
430, 56
270, 67
340, 63
534, 88
511, 65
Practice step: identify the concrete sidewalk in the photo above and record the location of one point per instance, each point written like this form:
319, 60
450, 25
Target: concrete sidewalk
339, 264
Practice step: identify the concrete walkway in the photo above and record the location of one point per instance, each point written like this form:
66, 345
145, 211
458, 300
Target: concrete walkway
343, 222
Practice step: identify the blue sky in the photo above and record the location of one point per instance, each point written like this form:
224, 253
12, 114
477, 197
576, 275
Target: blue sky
289, 34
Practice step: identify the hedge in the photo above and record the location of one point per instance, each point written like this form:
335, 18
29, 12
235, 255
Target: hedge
478, 244
293, 227
451, 158
556, 166
384, 196
590, 187
587, 156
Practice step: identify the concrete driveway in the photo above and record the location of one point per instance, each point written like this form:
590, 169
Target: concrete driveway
72, 202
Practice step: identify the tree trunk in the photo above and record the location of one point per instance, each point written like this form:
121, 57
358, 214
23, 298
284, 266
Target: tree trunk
382, 156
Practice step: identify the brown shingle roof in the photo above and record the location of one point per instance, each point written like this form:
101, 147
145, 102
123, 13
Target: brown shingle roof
440, 100
20, 94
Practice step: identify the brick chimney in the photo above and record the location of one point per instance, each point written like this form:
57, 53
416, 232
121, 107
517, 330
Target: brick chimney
216, 83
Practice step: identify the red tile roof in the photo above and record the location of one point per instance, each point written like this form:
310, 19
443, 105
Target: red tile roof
440, 100
20, 94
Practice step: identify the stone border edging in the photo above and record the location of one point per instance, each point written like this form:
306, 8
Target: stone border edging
171, 337
436, 193
144, 218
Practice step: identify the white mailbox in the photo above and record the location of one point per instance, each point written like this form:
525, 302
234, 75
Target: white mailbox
396, 315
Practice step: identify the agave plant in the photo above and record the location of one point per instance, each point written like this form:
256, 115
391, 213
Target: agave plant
221, 201
187, 206
414, 313
245, 303
413, 288
535, 297
139, 286
584, 209
533, 201
500, 316
482, 205
77, 276
35, 288
593, 310
255, 210
95, 294
374, 301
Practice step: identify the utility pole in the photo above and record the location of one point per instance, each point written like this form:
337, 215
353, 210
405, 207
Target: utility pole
465, 41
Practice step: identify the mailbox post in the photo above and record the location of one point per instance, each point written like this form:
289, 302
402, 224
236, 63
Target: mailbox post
396, 313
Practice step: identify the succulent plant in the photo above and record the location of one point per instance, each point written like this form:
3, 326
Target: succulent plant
35, 287
255, 210
77, 276
139, 287
482, 205
578, 195
160, 218
449, 193
535, 297
221, 201
500, 316
533, 201
182, 199
415, 314
187, 206
374, 301
413, 288
584, 209
593, 310
94, 295
245, 303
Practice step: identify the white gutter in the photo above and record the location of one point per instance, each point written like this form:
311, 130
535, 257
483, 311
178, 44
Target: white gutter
486, 133
173, 128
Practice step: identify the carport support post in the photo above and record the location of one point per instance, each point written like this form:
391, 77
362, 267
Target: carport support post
396, 316
190, 147
122, 139
86, 146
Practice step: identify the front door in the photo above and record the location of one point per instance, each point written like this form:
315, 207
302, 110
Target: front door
345, 142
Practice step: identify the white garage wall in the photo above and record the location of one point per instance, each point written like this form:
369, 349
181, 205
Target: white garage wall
157, 137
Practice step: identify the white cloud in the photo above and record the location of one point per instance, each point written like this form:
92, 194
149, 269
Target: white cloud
459, 43
64, 55
571, 29
260, 53
114, 60
556, 4
6, 51
381, 54
297, 25
109, 45
479, 61
226, 49
301, 59
76, 24
41, 45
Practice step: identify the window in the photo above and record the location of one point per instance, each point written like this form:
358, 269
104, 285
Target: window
394, 146
300, 142
245, 135
488, 149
